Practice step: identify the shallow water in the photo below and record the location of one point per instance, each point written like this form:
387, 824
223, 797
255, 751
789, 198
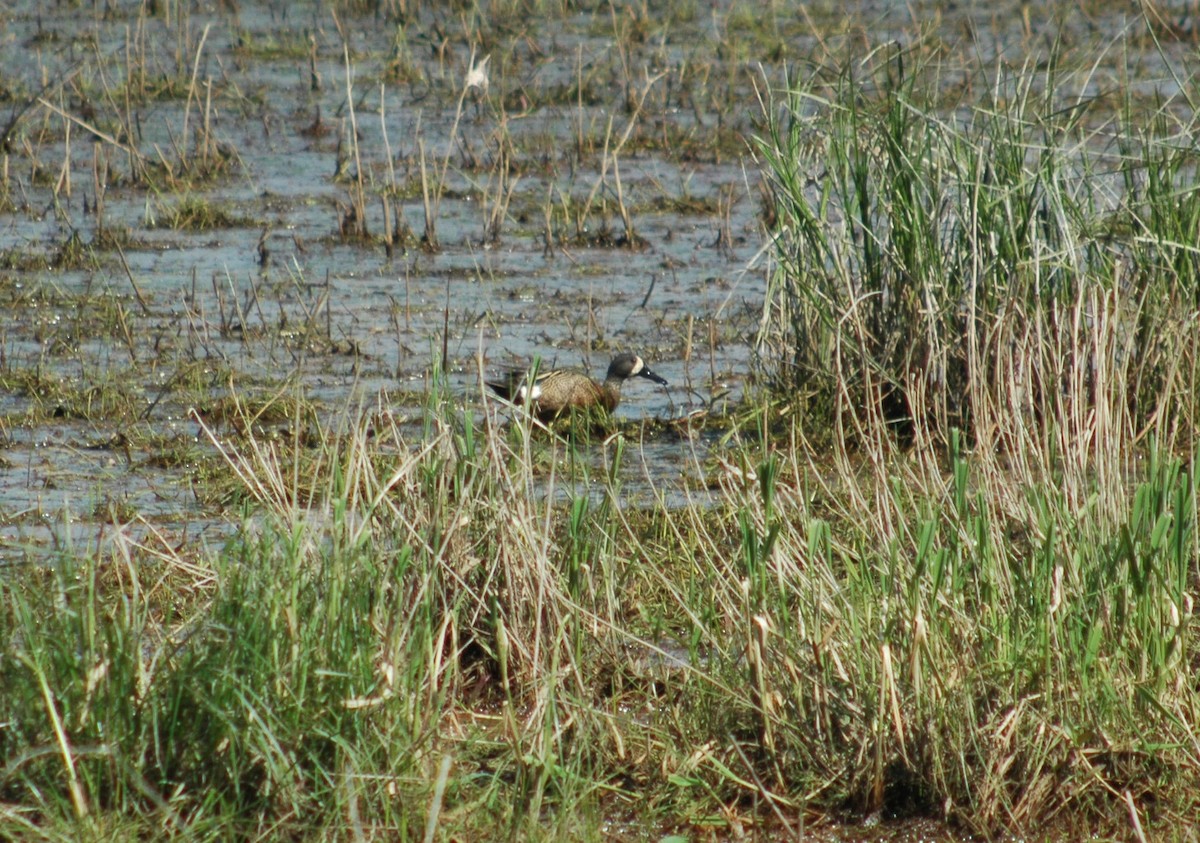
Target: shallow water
279, 291
275, 290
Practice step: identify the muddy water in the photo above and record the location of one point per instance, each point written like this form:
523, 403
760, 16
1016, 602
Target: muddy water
113, 139
249, 116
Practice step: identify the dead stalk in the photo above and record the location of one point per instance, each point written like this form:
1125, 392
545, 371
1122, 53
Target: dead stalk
358, 197
609, 157
429, 238
192, 92
63, 184
431, 207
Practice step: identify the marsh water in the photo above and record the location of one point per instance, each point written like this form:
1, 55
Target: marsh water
208, 231
267, 199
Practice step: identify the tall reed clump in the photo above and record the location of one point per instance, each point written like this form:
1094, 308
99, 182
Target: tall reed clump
984, 606
455, 627
390, 639
951, 642
986, 266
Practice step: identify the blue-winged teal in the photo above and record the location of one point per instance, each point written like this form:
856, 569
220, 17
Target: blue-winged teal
557, 391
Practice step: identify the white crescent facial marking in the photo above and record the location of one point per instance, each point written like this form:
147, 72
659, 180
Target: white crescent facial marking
638, 365
532, 396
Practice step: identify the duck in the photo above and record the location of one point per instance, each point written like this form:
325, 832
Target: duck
552, 393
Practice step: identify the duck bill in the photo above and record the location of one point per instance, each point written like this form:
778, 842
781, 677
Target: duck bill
650, 376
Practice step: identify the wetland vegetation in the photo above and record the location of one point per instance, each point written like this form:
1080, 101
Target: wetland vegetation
908, 548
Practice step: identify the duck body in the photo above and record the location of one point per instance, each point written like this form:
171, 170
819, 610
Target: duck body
555, 392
